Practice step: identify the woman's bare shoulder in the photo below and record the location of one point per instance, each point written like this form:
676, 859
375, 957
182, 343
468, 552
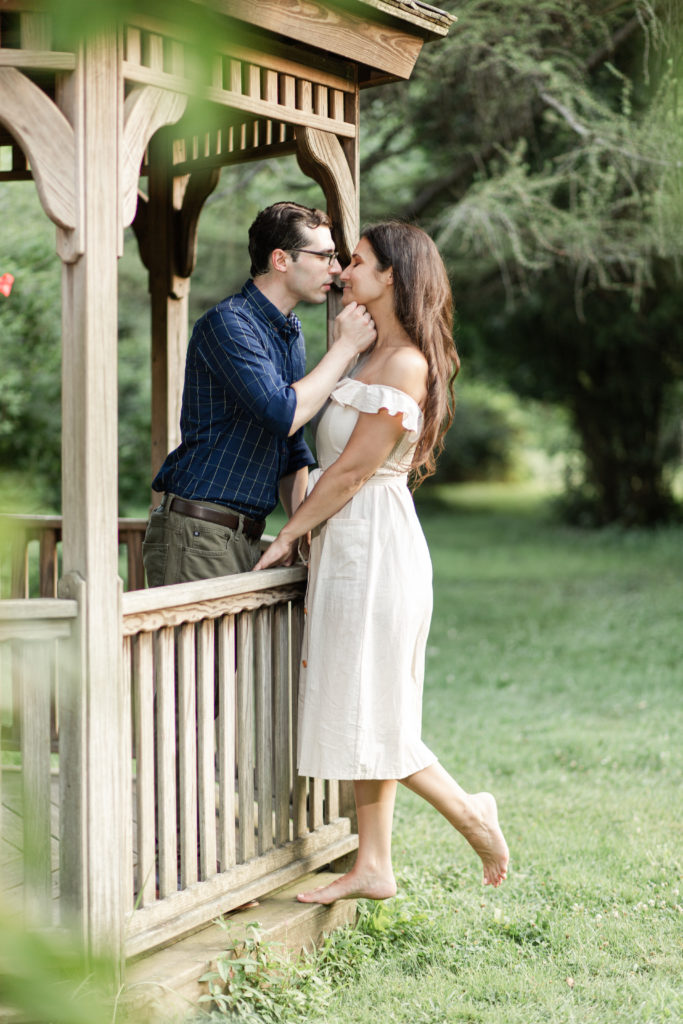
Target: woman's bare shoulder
406, 369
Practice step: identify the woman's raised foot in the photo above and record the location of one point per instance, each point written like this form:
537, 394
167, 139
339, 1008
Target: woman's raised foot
487, 840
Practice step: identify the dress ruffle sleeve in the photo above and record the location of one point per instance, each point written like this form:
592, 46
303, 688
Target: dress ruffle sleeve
373, 397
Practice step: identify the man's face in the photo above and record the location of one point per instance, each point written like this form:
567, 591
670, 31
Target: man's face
310, 276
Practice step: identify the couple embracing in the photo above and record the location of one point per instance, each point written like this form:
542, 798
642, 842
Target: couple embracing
382, 399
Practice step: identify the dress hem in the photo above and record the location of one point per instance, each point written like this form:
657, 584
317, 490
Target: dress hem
372, 777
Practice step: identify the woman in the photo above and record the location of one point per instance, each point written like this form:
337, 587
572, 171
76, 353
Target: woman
369, 598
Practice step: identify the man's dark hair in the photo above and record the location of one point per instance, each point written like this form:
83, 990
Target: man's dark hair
281, 226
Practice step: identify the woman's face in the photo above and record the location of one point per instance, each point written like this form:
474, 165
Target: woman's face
363, 282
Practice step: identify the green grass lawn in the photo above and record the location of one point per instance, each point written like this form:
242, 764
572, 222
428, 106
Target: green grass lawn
554, 679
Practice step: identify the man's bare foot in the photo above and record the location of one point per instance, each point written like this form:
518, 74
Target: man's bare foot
487, 840
353, 885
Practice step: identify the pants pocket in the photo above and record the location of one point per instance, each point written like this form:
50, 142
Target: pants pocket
155, 560
202, 563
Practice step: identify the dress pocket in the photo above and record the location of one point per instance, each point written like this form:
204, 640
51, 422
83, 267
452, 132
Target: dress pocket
344, 554
340, 594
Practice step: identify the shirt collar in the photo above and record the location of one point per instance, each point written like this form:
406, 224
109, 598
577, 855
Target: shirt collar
288, 327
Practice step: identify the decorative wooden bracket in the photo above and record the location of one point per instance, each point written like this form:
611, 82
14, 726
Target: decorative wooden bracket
145, 111
201, 184
321, 157
47, 139
184, 223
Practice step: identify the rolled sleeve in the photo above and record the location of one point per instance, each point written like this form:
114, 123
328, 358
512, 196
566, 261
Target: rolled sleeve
299, 454
237, 356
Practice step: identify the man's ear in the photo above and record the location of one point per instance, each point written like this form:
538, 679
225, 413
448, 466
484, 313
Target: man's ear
278, 260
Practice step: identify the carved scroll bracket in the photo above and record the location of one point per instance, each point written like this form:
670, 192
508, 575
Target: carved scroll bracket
320, 156
145, 111
47, 139
193, 192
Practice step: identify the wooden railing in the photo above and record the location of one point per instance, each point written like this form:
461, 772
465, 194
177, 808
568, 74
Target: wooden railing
211, 672
213, 813
30, 555
33, 636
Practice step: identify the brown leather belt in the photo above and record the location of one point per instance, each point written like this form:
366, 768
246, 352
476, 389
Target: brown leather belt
253, 528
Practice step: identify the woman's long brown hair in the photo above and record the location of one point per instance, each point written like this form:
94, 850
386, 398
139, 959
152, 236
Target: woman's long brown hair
423, 304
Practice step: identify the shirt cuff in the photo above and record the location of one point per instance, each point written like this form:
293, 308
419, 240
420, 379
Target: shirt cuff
300, 454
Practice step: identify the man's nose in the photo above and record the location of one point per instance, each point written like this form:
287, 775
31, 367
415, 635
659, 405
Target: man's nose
335, 266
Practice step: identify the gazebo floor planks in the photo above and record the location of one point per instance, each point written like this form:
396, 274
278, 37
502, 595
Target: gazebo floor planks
12, 839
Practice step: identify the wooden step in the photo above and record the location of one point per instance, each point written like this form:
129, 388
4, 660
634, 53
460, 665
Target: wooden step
165, 987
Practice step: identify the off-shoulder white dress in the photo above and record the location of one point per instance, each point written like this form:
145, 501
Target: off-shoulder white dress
368, 609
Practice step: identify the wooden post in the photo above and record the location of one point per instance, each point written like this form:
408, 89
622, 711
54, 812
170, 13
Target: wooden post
335, 167
169, 301
166, 227
90, 100
73, 795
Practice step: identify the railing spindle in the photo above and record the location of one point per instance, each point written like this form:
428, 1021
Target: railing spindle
143, 692
264, 729
166, 762
245, 735
281, 721
187, 752
128, 895
226, 740
315, 803
35, 675
206, 749
331, 801
299, 794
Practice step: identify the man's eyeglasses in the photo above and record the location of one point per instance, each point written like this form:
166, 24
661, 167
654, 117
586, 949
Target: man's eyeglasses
329, 256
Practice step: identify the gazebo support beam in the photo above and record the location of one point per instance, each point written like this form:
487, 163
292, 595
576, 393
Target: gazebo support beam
90, 477
166, 226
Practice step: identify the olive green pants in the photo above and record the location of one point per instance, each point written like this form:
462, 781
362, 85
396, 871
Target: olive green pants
178, 548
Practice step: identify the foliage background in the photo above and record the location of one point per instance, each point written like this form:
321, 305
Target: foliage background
525, 148
542, 147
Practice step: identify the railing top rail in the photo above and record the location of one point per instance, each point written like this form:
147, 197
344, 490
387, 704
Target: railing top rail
38, 608
177, 594
32, 619
145, 610
52, 522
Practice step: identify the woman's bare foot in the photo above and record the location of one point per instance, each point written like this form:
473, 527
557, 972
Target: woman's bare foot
354, 885
487, 840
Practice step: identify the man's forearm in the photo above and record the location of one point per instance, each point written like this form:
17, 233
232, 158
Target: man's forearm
293, 490
314, 389
354, 332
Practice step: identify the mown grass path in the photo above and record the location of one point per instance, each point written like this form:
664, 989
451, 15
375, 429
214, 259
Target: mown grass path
555, 679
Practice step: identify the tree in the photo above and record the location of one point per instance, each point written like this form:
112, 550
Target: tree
30, 319
542, 145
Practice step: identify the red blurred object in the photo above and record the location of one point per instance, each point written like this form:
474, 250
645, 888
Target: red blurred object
6, 282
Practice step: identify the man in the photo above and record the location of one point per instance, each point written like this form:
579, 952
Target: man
245, 403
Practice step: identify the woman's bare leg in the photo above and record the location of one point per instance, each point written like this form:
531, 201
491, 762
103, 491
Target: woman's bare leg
475, 816
372, 875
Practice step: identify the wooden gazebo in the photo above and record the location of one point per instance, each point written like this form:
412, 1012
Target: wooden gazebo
164, 815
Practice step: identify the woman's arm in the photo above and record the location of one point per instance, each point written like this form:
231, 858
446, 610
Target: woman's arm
372, 441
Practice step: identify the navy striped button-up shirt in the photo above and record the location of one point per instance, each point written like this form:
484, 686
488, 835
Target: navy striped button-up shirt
238, 407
